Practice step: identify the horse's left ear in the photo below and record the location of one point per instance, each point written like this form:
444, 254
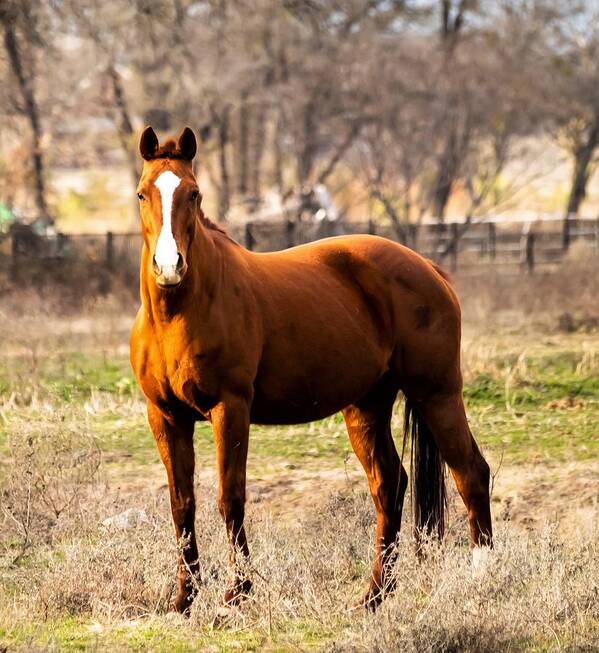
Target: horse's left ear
187, 144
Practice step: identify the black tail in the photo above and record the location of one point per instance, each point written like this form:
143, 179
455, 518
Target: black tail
427, 475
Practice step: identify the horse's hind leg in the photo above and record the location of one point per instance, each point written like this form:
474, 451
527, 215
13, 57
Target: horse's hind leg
445, 416
369, 427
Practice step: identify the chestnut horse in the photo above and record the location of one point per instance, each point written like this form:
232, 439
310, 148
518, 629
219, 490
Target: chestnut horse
342, 324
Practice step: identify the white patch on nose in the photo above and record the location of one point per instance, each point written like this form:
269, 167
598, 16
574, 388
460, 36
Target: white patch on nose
166, 248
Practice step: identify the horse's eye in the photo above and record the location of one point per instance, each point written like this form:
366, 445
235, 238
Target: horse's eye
194, 195
140, 196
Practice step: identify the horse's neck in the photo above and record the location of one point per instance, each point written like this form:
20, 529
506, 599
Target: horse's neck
200, 287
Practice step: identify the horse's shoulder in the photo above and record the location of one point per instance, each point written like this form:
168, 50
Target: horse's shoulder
135, 337
140, 347
139, 330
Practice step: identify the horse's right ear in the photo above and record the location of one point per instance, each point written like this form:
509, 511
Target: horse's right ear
148, 144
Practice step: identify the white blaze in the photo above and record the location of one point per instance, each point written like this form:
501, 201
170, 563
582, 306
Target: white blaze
166, 248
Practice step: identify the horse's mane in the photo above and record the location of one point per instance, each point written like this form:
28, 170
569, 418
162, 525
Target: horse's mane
207, 222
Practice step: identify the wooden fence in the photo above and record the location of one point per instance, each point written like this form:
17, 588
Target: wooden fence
508, 245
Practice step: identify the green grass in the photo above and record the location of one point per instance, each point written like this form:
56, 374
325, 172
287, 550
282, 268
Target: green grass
170, 634
67, 376
541, 406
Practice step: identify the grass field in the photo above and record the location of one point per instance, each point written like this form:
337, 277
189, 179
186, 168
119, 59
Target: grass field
75, 449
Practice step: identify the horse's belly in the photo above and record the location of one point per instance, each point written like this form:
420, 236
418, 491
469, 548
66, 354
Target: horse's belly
269, 411
298, 391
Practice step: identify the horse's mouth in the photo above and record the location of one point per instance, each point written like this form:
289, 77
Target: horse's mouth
171, 282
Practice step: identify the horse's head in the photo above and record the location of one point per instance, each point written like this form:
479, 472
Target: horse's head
169, 201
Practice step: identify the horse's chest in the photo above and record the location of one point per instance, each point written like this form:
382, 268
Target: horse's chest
194, 384
183, 378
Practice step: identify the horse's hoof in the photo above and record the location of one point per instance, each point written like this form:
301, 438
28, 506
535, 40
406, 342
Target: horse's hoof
238, 592
481, 559
374, 595
371, 599
182, 604
223, 615
173, 618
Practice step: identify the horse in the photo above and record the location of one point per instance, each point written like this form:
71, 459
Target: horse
341, 324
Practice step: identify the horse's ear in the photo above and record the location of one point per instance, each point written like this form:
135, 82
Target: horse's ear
187, 144
148, 144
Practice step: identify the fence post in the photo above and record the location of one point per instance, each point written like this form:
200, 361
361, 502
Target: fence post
371, 227
530, 251
440, 230
290, 230
249, 237
492, 241
454, 246
412, 235
566, 235
326, 228
14, 255
110, 249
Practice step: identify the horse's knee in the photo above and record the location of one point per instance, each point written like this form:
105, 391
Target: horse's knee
183, 510
484, 471
232, 507
479, 476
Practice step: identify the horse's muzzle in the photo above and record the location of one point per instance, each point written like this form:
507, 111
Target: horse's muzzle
169, 275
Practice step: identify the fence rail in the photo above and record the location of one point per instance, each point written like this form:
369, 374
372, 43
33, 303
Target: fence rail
509, 245
513, 245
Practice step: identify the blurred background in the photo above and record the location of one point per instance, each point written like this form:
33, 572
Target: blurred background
351, 115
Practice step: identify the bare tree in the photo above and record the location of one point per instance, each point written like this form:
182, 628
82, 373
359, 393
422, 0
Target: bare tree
575, 77
22, 39
421, 102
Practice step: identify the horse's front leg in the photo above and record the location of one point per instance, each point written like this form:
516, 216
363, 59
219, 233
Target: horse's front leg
231, 423
174, 439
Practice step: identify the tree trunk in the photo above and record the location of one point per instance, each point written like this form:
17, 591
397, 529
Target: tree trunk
11, 46
258, 152
307, 151
224, 190
243, 147
583, 155
452, 21
446, 175
123, 123
278, 155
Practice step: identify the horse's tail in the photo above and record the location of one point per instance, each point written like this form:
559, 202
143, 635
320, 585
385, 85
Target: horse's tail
427, 475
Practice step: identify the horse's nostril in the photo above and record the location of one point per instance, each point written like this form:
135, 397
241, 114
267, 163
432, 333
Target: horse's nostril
179, 263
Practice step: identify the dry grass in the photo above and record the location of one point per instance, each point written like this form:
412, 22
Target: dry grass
562, 299
70, 583
75, 449
539, 590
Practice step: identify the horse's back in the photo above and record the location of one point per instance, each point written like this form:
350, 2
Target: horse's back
388, 275
350, 308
